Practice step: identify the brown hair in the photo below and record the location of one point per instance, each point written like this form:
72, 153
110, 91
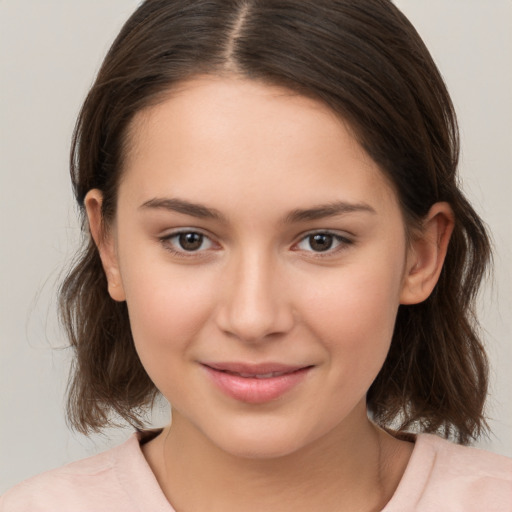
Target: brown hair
364, 60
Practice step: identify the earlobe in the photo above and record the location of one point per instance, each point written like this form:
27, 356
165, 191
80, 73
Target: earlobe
105, 243
426, 254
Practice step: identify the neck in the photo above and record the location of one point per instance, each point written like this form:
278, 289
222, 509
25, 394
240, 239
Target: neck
347, 469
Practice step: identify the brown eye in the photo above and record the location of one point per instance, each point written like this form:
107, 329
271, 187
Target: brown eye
321, 242
190, 241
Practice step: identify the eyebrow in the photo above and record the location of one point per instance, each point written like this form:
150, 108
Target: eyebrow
327, 210
185, 207
298, 215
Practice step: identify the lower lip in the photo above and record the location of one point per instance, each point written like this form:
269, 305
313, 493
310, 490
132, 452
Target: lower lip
256, 391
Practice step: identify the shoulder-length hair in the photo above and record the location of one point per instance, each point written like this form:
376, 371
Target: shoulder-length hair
366, 62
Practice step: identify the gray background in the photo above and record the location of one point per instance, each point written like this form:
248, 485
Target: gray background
49, 53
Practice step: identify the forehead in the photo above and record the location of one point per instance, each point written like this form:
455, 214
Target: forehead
214, 138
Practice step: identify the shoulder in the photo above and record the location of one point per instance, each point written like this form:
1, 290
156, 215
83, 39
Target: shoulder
464, 461
89, 484
449, 477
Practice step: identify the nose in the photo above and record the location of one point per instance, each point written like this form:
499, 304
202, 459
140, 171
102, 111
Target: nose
254, 305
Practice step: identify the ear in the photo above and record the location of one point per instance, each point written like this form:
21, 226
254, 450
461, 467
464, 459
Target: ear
426, 254
105, 242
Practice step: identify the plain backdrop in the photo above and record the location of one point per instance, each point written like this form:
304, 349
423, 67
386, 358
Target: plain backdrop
49, 53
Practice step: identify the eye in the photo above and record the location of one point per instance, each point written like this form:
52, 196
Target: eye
323, 242
187, 242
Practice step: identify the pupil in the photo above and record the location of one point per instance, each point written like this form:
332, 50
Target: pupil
191, 241
321, 242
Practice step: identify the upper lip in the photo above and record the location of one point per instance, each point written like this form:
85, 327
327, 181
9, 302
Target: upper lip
255, 369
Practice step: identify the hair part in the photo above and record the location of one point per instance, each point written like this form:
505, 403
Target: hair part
366, 62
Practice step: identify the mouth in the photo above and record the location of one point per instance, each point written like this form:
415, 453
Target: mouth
255, 371
258, 375
256, 384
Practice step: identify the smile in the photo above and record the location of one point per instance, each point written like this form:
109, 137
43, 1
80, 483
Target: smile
258, 376
255, 384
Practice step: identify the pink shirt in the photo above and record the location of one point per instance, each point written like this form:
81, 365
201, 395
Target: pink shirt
440, 477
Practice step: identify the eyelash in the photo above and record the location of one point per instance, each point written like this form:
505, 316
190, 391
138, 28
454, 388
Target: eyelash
167, 243
341, 242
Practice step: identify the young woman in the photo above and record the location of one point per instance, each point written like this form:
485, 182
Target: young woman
276, 243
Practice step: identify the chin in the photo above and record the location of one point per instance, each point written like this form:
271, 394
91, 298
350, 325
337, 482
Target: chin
261, 442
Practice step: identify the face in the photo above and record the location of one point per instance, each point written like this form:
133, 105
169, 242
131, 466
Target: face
262, 257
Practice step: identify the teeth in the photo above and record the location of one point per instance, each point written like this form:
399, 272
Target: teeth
260, 376
268, 375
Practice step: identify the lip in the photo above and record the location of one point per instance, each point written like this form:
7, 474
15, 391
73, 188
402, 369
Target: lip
255, 383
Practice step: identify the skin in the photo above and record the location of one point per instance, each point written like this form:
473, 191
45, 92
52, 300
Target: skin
257, 290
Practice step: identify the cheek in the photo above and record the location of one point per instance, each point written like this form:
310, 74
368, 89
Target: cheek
354, 313
167, 309
163, 313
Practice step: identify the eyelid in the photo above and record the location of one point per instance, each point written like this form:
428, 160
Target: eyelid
344, 240
165, 240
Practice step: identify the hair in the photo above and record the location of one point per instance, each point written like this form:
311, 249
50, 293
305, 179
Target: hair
367, 63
